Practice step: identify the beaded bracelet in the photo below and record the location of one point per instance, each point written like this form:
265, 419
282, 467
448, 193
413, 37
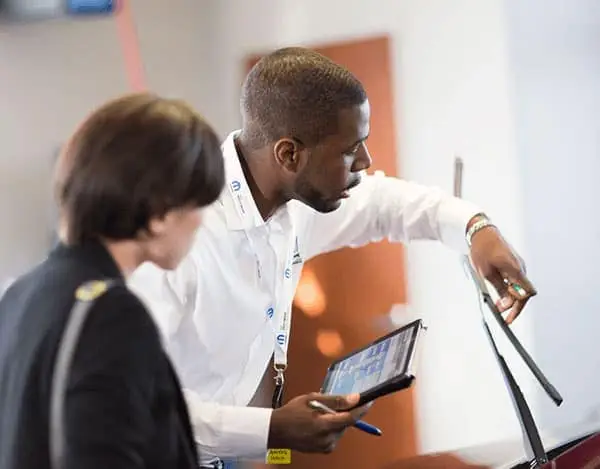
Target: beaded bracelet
479, 225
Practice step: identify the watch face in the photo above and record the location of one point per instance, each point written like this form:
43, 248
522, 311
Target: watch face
91, 6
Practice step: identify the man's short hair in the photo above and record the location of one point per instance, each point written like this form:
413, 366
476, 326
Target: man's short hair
296, 92
133, 159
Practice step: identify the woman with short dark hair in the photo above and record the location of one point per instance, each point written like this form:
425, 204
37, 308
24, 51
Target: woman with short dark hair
130, 185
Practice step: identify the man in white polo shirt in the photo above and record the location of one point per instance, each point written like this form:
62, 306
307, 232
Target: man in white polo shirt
295, 189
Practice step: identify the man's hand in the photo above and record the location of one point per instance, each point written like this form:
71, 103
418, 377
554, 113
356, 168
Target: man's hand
296, 426
493, 258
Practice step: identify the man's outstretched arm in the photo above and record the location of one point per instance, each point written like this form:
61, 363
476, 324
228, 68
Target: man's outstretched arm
397, 210
390, 208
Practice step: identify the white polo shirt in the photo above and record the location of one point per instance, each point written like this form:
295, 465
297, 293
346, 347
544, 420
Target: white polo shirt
222, 312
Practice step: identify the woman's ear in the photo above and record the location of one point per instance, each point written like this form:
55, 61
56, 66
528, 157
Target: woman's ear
157, 227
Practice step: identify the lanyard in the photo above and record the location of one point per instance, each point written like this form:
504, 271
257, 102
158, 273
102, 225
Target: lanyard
279, 312
282, 314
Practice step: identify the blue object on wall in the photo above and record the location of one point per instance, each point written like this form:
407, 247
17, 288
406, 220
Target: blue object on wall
88, 7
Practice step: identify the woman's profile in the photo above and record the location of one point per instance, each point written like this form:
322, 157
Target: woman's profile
130, 186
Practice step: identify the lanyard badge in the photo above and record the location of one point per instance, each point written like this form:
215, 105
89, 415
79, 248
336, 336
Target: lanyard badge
279, 455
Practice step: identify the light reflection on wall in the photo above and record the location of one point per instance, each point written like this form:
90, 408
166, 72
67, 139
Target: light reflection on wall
309, 295
312, 301
330, 343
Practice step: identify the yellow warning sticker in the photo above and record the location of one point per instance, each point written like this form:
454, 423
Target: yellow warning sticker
279, 456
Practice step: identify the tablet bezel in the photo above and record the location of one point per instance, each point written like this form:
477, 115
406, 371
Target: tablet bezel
396, 383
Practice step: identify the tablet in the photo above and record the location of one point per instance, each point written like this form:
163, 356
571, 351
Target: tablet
382, 367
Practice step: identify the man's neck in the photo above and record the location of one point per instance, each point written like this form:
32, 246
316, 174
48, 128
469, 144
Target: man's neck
261, 180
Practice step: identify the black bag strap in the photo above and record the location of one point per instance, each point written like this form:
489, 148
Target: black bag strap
85, 297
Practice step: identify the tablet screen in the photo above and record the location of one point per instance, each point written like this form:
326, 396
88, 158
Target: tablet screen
373, 365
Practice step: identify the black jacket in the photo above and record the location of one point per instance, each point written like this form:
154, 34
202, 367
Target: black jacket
124, 407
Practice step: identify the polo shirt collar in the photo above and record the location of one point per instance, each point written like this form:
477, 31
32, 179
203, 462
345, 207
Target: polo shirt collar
241, 212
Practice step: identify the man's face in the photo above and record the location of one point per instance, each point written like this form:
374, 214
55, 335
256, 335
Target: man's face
332, 167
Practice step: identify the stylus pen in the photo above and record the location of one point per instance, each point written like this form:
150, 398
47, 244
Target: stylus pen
364, 426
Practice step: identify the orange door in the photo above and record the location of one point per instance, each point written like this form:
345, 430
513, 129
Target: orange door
359, 286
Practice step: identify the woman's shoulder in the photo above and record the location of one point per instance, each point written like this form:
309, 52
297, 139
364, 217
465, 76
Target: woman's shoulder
113, 305
107, 293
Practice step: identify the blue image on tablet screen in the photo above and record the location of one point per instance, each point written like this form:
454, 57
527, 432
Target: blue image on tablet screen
363, 370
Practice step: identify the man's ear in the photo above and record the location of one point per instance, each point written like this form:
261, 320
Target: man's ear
289, 154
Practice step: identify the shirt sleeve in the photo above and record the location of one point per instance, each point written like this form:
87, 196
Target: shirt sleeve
111, 390
390, 208
228, 432
169, 296
220, 431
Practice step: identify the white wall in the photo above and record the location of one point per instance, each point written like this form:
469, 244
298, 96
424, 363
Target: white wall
174, 38
452, 95
52, 73
555, 57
